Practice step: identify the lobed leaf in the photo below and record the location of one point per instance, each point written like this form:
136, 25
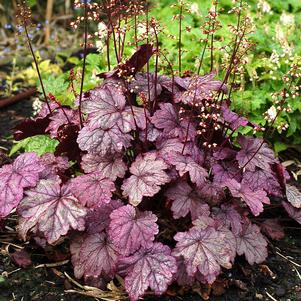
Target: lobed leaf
131, 229
52, 210
147, 176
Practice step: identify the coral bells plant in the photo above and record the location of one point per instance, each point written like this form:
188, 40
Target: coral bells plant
150, 180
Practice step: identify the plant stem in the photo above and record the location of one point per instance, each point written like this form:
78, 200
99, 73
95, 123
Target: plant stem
37, 67
84, 65
180, 40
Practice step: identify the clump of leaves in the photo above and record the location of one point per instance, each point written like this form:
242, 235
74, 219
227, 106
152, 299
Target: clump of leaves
160, 191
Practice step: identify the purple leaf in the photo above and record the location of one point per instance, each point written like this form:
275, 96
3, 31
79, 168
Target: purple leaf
103, 141
262, 180
252, 244
67, 135
133, 64
152, 133
106, 107
212, 193
165, 146
98, 219
201, 87
147, 176
185, 164
293, 212
110, 165
21, 258
293, 195
168, 120
53, 166
260, 157
23, 173
153, 268
225, 170
52, 210
205, 249
92, 189
182, 278
145, 83
61, 117
229, 217
130, 229
273, 229
93, 255
186, 199
254, 199
232, 119
31, 127
222, 153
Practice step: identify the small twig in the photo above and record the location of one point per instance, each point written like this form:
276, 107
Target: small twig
14, 271
11, 244
52, 265
291, 261
270, 296
73, 281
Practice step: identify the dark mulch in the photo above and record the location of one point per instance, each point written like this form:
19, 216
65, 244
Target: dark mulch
277, 278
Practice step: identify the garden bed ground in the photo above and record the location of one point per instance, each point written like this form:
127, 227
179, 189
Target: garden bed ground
279, 278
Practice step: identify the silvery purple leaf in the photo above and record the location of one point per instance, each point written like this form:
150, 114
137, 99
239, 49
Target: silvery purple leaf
229, 217
260, 157
153, 268
152, 133
93, 255
293, 195
186, 199
23, 173
232, 119
147, 84
184, 164
182, 277
103, 141
225, 170
205, 250
98, 219
53, 165
262, 180
252, 244
92, 189
147, 176
168, 120
212, 193
201, 87
130, 229
272, 228
110, 165
293, 212
52, 210
106, 107
254, 199
60, 117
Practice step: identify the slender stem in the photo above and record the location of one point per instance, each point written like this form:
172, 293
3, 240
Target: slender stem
84, 65
37, 67
108, 50
135, 29
147, 71
180, 40
203, 53
156, 67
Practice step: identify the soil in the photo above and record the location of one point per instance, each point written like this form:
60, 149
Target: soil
278, 278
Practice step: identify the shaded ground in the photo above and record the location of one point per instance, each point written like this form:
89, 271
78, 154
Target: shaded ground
277, 279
